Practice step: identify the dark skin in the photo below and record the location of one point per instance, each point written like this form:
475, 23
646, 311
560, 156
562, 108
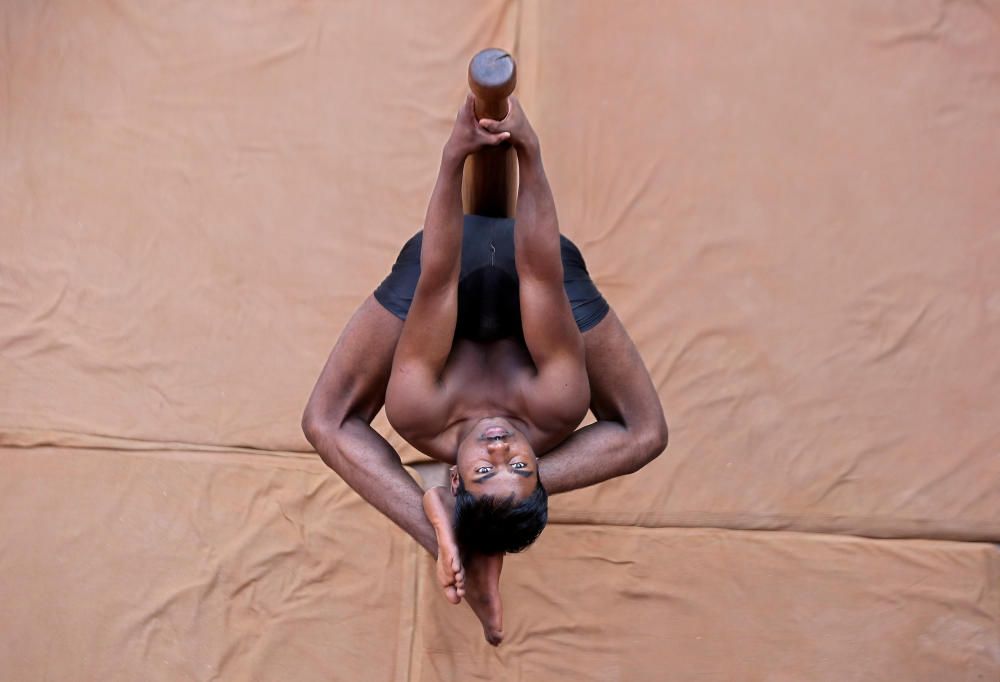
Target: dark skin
488, 408
480, 405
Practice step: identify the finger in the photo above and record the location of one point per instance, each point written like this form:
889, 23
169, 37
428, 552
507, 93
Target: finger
464, 111
496, 139
490, 124
451, 594
470, 108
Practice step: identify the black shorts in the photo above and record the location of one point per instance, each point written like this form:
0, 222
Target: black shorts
488, 300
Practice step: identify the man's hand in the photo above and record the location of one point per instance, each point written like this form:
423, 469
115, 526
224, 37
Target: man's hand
516, 125
468, 136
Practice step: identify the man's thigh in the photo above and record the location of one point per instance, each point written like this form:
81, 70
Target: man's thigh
620, 386
354, 379
483, 236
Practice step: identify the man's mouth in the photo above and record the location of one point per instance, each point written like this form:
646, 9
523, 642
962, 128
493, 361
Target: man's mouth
495, 432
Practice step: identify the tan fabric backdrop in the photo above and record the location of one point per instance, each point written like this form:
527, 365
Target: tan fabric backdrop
190, 566
792, 206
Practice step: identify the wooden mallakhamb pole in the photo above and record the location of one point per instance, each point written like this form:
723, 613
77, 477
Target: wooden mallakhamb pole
489, 183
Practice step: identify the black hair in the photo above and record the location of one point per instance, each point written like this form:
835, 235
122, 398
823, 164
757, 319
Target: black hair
490, 524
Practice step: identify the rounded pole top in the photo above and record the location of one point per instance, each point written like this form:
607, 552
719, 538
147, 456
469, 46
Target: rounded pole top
492, 74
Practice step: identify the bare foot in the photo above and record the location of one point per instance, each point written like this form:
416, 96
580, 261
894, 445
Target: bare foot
483, 593
439, 505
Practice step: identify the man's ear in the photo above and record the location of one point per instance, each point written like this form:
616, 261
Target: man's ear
454, 479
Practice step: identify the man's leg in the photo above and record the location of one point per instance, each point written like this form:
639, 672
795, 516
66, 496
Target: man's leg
414, 390
337, 420
631, 429
439, 505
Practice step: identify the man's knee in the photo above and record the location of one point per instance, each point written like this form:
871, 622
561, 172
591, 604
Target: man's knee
314, 427
322, 434
652, 442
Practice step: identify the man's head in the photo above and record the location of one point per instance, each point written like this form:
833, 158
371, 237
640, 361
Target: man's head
500, 503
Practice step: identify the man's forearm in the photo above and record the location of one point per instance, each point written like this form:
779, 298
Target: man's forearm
441, 253
366, 461
537, 235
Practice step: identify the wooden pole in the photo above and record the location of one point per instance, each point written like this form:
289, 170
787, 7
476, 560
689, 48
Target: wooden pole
489, 184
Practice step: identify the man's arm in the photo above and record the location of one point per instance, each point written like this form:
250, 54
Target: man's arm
550, 333
352, 387
337, 421
349, 393
427, 336
416, 403
631, 430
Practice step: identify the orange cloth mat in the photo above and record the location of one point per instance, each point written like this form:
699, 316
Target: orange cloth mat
791, 206
172, 565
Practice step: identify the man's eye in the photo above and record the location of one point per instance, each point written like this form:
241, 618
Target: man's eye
483, 470
519, 465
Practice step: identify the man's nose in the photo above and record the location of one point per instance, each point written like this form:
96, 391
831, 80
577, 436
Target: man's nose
497, 445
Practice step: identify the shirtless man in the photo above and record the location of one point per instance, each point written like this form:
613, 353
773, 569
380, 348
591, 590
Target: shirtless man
486, 404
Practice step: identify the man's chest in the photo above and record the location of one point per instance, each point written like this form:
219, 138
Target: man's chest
486, 372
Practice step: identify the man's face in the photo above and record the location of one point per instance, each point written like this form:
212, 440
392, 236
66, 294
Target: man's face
496, 459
